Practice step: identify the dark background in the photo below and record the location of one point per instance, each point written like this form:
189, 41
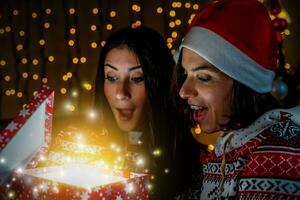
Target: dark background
24, 23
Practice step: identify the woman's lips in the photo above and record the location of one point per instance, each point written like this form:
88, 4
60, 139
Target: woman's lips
125, 114
199, 115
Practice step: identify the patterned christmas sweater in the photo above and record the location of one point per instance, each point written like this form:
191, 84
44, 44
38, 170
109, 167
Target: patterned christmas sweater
258, 162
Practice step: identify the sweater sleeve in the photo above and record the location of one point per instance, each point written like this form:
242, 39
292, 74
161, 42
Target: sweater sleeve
273, 169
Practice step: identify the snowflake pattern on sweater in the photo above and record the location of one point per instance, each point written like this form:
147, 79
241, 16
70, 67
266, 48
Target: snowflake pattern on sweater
261, 161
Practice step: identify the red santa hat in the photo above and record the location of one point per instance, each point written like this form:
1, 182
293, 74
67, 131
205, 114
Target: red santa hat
237, 37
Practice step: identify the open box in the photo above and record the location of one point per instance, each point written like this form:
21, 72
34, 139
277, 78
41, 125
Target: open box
23, 144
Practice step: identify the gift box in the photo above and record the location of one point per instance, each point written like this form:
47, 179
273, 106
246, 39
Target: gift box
23, 145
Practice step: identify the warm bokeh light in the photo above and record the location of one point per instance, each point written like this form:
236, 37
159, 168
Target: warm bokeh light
51, 58
95, 11
159, 10
72, 11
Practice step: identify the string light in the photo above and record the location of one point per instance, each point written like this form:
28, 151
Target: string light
2, 31
177, 22
94, 45
12, 91
71, 43
75, 60
109, 27
69, 75
72, 11
112, 13
169, 40
172, 24
24, 60
7, 92
44, 80
2, 62
22, 33
7, 29
15, 12
63, 90
210, 147
34, 15
93, 27
187, 5
83, 59
7, 78
95, 11
19, 47
103, 43
25, 75
65, 77
159, 10
72, 31
35, 76
174, 34
87, 86
35, 61
195, 6
42, 42
46, 25
172, 13
51, 58
48, 11
20, 94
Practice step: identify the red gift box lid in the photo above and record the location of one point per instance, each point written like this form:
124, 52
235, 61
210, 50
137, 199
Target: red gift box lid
28, 134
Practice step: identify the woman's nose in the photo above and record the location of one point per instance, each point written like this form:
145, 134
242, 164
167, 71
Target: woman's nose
123, 92
187, 89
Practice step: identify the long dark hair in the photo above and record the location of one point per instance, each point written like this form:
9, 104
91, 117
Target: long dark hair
157, 64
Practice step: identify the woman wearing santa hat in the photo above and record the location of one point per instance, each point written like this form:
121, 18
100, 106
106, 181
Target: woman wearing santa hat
226, 66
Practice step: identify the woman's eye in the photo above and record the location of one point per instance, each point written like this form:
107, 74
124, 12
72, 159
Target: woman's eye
111, 78
137, 79
203, 78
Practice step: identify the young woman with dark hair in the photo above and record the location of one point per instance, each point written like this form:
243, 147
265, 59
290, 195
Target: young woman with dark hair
133, 91
225, 72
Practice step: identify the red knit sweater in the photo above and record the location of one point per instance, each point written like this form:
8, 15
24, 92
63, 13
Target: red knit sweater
260, 162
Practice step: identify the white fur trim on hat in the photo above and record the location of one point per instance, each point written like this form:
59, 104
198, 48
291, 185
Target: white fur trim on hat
228, 59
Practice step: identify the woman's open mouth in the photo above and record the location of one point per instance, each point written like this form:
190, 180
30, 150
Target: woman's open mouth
125, 114
199, 113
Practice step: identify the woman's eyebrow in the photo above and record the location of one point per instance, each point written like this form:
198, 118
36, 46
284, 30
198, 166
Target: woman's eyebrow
134, 68
202, 67
110, 66
115, 68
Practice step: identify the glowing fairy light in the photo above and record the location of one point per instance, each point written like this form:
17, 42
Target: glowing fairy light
70, 107
157, 152
139, 162
87, 86
55, 189
2, 161
42, 158
129, 188
118, 149
113, 146
8, 185
95, 11
19, 170
166, 170
197, 129
74, 93
210, 147
149, 186
11, 195
159, 10
92, 115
